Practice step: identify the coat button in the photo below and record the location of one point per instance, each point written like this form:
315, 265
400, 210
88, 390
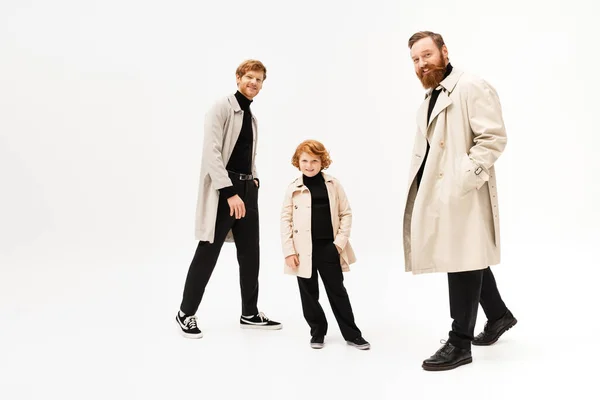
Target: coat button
441, 174
296, 207
442, 143
296, 231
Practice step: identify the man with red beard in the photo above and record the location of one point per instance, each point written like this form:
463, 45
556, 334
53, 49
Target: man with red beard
227, 207
451, 222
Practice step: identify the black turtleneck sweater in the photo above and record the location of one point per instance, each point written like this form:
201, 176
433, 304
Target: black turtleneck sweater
241, 157
321, 227
432, 99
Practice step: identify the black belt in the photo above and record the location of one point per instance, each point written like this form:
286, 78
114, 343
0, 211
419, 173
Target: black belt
241, 177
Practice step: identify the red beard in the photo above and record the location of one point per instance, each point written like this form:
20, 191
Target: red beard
434, 76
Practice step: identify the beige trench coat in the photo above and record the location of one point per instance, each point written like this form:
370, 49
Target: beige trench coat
452, 223
222, 125
296, 225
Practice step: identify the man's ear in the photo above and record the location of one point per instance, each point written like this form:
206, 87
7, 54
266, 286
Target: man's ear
445, 52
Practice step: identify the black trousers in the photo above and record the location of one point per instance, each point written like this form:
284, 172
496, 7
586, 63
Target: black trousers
467, 290
246, 236
326, 262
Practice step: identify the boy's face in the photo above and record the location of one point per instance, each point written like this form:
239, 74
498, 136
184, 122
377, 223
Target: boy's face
310, 165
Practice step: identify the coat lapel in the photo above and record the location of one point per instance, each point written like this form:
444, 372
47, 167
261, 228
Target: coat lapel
326, 177
237, 119
422, 116
443, 101
298, 184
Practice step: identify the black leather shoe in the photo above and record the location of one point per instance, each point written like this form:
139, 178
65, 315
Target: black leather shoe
492, 332
317, 342
447, 357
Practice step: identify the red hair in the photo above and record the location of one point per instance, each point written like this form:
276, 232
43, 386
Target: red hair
312, 147
251, 65
436, 37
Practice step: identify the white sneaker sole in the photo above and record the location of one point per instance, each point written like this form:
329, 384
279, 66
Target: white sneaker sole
317, 345
188, 335
263, 327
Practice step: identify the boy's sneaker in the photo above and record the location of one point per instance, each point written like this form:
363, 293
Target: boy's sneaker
258, 321
317, 342
359, 343
188, 326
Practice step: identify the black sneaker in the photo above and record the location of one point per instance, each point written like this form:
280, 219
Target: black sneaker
317, 342
359, 343
188, 326
259, 321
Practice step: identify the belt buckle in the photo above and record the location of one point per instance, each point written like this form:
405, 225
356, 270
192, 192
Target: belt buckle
242, 177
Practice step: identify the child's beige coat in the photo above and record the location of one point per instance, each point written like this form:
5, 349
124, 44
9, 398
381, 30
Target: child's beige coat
296, 225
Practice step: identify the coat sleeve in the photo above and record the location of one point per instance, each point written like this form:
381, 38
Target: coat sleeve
287, 242
212, 152
487, 125
345, 216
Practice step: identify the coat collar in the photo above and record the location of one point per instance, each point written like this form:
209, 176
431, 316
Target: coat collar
235, 105
448, 84
299, 182
443, 101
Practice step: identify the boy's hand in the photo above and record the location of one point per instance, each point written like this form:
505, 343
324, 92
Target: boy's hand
236, 206
292, 261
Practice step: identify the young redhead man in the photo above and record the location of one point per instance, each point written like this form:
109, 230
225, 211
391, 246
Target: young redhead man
451, 220
227, 207
316, 219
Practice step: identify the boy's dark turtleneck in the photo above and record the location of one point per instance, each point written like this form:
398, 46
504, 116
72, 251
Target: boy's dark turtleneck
321, 228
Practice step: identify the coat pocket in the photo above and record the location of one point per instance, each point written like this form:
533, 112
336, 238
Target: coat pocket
466, 178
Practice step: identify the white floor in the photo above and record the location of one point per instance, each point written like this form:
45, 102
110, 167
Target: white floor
88, 329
